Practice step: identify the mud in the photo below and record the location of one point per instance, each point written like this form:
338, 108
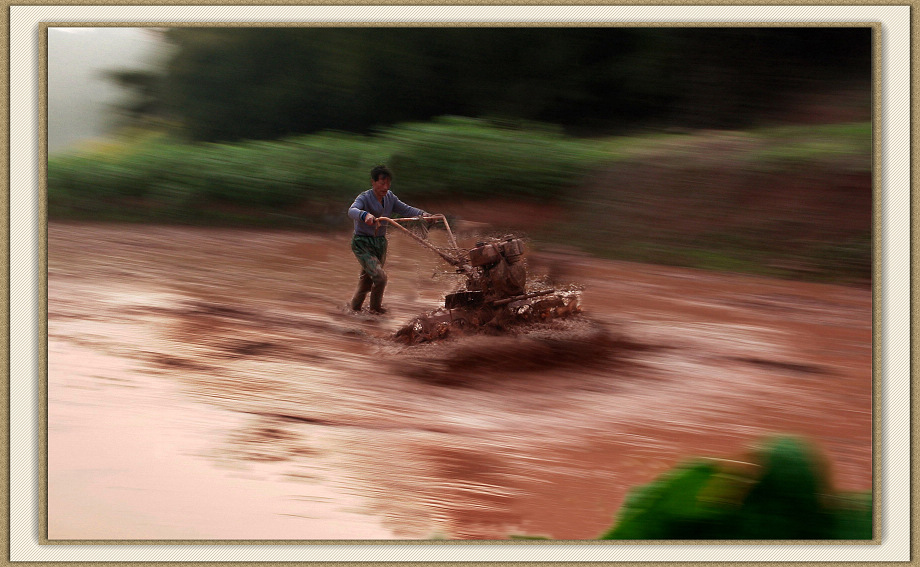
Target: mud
211, 384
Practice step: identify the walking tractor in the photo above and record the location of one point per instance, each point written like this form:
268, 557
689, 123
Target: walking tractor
495, 294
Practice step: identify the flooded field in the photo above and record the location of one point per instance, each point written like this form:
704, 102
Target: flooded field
211, 384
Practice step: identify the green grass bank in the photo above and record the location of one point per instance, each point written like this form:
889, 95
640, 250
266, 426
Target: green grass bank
791, 202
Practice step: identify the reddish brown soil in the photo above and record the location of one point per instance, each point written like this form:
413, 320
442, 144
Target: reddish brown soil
209, 384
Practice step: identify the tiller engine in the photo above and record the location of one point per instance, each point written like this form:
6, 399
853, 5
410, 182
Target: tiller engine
495, 294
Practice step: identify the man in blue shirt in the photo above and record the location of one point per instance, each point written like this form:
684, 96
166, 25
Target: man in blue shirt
369, 242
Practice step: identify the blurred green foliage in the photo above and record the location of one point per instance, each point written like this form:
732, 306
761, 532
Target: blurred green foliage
160, 179
226, 84
460, 158
847, 147
783, 494
447, 158
763, 201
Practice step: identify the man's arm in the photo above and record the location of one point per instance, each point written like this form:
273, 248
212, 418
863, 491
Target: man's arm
356, 211
405, 210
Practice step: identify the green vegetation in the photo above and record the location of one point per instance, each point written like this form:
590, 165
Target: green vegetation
846, 146
154, 178
783, 494
764, 201
227, 84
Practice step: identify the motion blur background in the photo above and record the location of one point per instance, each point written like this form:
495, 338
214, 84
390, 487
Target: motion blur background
266, 83
739, 148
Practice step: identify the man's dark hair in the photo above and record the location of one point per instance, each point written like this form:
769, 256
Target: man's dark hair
381, 171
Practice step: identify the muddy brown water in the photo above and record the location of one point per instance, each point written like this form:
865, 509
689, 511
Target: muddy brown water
210, 384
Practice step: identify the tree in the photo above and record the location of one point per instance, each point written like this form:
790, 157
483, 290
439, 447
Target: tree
234, 83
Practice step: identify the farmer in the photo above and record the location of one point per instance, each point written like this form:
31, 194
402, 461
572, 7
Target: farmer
369, 242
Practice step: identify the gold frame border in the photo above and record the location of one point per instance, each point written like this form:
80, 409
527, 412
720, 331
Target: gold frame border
876, 179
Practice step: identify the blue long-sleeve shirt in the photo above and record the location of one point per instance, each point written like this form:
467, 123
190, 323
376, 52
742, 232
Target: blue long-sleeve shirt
367, 203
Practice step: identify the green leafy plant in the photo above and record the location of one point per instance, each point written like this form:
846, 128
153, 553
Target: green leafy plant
783, 494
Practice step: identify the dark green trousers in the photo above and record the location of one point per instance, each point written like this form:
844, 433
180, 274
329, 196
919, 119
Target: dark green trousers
371, 252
